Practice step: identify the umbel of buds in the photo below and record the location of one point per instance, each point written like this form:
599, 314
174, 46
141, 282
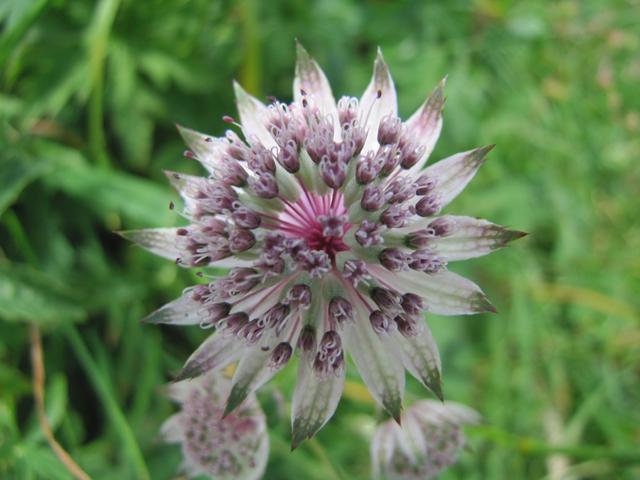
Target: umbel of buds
232, 447
429, 440
334, 234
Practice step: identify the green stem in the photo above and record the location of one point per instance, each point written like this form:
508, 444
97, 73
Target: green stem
98, 42
109, 403
250, 73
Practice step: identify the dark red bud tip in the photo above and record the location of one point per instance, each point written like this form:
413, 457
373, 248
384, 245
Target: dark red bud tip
228, 119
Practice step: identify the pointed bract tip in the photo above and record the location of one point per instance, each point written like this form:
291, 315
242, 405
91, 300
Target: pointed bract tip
299, 433
481, 304
300, 50
479, 155
296, 440
236, 397
434, 383
394, 409
238, 90
186, 373
508, 236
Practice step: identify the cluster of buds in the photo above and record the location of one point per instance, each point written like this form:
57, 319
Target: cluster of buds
231, 447
429, 441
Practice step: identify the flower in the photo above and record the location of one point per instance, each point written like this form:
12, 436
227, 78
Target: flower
335, 240
235, 446
427, 443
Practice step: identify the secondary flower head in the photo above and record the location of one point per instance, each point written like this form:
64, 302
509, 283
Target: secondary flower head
232, 447
335, 238
428, 441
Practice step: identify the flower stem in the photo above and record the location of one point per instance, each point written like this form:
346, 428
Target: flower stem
109, 403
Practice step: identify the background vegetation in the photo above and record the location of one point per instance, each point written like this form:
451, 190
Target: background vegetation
89, 94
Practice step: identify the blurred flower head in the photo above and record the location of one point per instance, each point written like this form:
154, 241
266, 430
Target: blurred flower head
428, 441
335, 238
235, 446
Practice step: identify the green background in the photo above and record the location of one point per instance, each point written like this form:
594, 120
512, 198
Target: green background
89, 95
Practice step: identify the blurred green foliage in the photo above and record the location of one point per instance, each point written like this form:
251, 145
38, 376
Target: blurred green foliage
89, 94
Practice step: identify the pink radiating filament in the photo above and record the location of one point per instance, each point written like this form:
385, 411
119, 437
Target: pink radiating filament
300, 220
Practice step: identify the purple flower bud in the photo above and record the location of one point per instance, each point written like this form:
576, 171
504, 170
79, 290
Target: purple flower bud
265, 186
369, 234
280, 355
245, 217
288, 157
307, 340
316, 262
425, 184
237, 148
273, 244
388, 157
426, 261
380, 322
275, 317
367, 169
333, 172
420, 238
394, 259
410, 154
355, 271
400, 189
386, 299
428, 206
407, 325
442, 227
235, 322
347, 110
270, 265
413, 304
330, 357
299, 296
252, 331
297, 249
233, 174
372, 198
340, 309
261, 160
333, 226
396, 216
216, 312
241, 240
199, 293
389, 130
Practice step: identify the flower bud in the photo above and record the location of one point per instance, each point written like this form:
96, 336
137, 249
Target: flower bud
428, 206
280, 355
394, 259
372, 198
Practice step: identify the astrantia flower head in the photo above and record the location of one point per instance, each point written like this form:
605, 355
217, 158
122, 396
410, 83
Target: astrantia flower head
235, 446
429, 440
334, 234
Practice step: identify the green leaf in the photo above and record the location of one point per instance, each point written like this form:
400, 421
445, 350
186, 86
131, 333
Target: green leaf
15, 174
110, 193
32, 296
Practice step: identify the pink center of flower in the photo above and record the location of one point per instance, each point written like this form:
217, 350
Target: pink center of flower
319, 220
